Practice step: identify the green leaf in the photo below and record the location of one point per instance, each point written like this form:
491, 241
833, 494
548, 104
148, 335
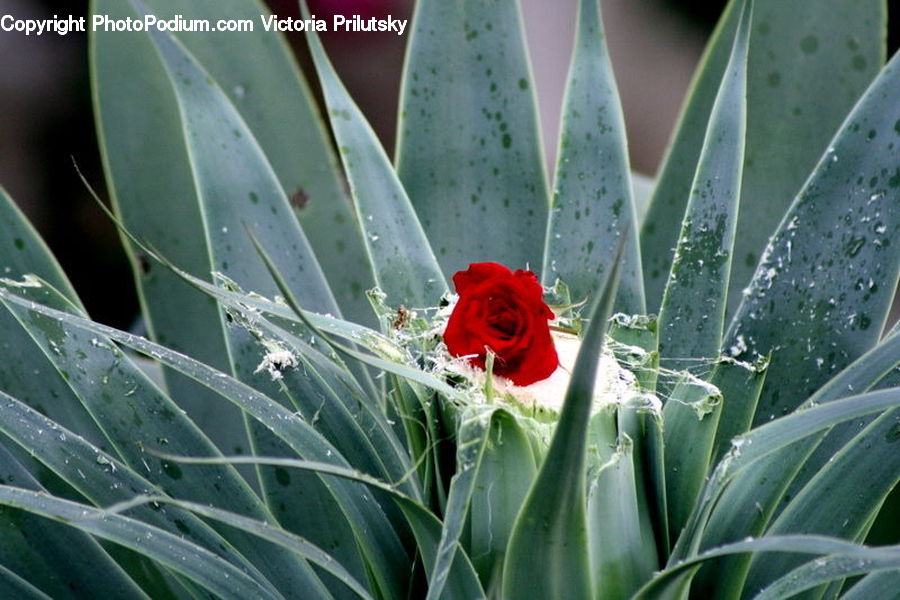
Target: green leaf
592, 199
622, 555
692, 315
468, 149
58, 559
22, 251
261, 530
673, 576
809, 61
822, 292
547, 555
841, 498
504, 477
120, 398
831, 568
879, 584
690, 417
402, 259
740, 384
471, 441
749, 503
380, 546
198, 564
13, 586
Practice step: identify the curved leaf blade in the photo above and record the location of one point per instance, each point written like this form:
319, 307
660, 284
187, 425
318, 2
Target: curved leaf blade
402, 258
468, 150
795, 102
692, 315
592, 202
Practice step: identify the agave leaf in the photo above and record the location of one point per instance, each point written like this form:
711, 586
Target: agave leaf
504, 477
22, 251
690, 417
749, 503
257, 71
195, 562
592, 201
386, 556
841, 498
119, 397
101, 478
740, 384
60, 560
880, 584
831, 568
802, 305
673, 576
809, 61
692, 315
402, 259
547, 556
621, 557
468, 149
13, 586
462, 582
766, 440
261, 530
472, 438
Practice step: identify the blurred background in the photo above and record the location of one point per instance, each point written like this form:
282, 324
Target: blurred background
46, 118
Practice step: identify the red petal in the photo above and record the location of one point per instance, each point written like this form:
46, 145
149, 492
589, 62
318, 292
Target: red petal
477, 273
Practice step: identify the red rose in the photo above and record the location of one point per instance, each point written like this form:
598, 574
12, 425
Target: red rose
506, 312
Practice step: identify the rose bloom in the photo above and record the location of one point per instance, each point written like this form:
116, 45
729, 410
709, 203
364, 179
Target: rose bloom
504, 312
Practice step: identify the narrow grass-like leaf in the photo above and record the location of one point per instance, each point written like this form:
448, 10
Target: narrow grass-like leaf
23, 252
402, 258
592, 200
547, 555
804, 305
749, 503
472, 438
13, 586
504, 477
381, 546
841, 498
740, 384
468, 147
200, 565
118, 396
692, 315
810, 544
880, 584
261, 530
831, 568
690, 417
800, 87
621, 558
57, 559
764, 441
101, 478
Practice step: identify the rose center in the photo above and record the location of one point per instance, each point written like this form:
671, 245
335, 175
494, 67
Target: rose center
503, 318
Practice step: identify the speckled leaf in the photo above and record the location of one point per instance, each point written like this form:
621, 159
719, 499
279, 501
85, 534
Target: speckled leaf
59, 560
402, 259
119, 398
468, 150
22, 251
841, 498
809, 61
386, 557
547, 556
692, 315
822, 291
749, 504
210, 571
592, 200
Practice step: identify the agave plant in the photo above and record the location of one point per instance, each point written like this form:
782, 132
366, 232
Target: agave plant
304, 424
